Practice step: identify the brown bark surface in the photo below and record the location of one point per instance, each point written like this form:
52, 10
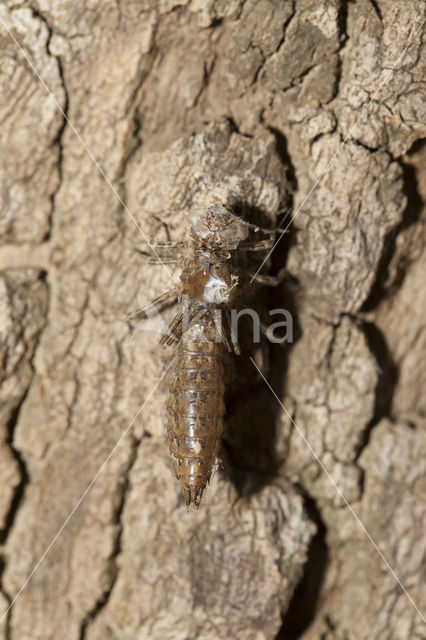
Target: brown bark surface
177, 103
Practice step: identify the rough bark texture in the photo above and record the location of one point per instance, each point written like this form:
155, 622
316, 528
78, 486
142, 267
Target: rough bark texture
179, 102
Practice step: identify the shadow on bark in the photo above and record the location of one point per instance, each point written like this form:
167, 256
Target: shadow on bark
252, 413
302, 608
19, 490
411, 216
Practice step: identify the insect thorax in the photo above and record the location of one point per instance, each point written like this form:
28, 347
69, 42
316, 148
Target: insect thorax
218, 228
208, 282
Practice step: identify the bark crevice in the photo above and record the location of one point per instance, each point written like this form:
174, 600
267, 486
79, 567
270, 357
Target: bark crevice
102, 601
303, 606
384, 285
58, 140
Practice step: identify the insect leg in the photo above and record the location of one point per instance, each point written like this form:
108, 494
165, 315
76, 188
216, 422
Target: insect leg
230, 332
179, 322
257, 245
166, 260
156, 230
174, 331
169, 245
174, 249
159, 303
223, 331
270, 281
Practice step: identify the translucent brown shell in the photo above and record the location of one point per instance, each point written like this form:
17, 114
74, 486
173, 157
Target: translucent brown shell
196, 406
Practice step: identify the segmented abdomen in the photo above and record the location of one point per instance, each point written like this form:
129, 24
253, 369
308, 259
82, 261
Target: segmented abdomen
196, 410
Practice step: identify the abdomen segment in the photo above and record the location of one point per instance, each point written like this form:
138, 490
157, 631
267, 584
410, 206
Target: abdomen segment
196, 410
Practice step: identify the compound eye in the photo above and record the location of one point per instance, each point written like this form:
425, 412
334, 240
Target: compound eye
234, 234
200, 226
241, 230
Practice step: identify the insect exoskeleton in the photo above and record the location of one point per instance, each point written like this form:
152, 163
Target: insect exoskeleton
202, 331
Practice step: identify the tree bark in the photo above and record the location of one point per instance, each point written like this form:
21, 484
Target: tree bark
119, 119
